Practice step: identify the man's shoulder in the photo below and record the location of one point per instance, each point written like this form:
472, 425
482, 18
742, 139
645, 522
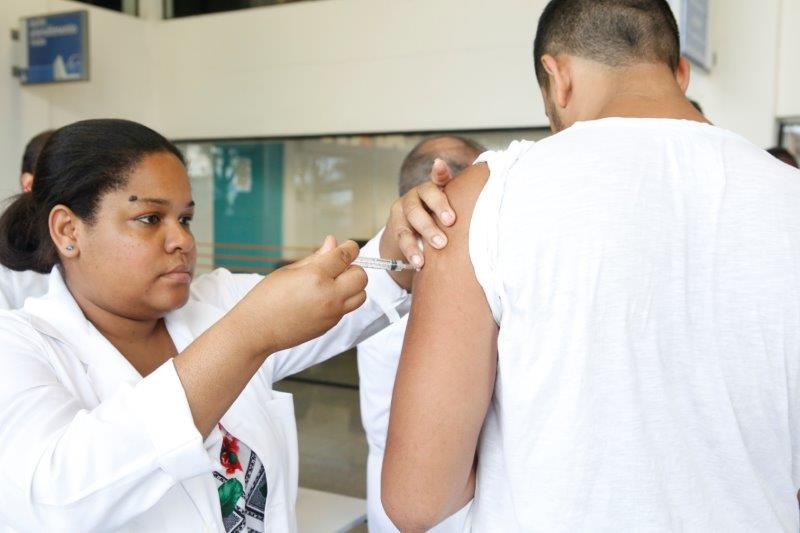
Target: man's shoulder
463, 191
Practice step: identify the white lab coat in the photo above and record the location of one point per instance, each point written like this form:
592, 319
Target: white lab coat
16, 286
90, 445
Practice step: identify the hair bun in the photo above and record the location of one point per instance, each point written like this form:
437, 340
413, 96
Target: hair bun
20, 237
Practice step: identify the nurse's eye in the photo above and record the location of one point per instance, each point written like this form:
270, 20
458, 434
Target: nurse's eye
149, 219
186, 220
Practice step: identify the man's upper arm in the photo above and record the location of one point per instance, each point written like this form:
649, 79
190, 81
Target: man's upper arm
445, 379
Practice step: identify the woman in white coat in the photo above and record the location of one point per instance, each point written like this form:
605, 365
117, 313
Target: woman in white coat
131, 397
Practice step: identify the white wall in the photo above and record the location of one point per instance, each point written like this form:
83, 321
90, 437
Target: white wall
20, 114
383, 65
789, 60
740, 91
339, 66
121, 84
351, 66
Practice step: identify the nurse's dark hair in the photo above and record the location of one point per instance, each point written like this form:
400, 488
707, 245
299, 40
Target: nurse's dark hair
78, 164
612, 32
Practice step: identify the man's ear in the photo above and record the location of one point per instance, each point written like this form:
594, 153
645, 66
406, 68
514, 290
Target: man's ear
64, 225
560, 79
683, 74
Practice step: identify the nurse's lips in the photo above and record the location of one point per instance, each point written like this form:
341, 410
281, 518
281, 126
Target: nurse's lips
180, 274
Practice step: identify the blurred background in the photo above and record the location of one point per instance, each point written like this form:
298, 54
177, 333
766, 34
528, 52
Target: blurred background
294, 117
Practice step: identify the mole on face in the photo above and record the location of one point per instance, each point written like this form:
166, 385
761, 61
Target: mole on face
133, 198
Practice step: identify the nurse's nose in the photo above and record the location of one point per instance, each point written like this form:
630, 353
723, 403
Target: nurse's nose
178, 238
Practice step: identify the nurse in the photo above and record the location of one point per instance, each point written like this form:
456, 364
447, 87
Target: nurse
133, 398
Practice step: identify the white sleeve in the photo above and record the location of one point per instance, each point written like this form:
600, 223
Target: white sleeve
65, 467
484, 227
222, 288
386, 303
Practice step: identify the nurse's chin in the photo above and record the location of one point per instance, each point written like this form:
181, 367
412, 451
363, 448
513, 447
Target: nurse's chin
171, 298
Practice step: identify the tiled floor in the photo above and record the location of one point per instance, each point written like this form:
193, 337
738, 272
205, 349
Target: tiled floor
333, 448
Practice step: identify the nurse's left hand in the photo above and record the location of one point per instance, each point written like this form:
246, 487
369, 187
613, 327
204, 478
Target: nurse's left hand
414, 216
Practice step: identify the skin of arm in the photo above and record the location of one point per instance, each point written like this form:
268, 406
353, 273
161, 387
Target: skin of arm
290, 306
445, 379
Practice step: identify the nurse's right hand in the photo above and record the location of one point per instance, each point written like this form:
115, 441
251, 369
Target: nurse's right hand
292, 305
302, 301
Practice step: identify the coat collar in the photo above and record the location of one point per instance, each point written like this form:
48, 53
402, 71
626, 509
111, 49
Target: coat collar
258, 410
56, 314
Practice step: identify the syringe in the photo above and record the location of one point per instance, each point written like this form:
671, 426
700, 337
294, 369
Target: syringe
394, 265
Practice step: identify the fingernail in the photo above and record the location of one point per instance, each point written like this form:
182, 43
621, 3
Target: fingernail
417, 261
438, 241
448, 218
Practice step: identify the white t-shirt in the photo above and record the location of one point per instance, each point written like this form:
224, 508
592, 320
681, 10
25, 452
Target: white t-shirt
645, 276
16, 286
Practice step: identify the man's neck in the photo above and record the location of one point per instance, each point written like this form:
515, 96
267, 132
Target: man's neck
644, 106
640, 91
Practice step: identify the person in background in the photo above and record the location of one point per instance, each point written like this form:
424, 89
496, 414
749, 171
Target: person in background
134, 397
29, 157
611, 339
16, 286
379, 355
784, 155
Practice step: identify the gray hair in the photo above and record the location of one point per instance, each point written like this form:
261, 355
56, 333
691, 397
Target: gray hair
457, 152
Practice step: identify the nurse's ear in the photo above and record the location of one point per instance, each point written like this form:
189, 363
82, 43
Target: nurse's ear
63, 225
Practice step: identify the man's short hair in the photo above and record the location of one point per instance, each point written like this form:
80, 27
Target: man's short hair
616, 33
33, 149
417, 165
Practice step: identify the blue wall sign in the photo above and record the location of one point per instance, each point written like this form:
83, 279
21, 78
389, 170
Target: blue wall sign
57, 47
694, 31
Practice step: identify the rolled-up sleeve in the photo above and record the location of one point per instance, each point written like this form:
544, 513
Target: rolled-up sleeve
386, 303
66, 467
161, 407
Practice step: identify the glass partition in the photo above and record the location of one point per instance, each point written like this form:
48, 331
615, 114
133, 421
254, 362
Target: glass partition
264, 202
130, 7
790, 136
187, 8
